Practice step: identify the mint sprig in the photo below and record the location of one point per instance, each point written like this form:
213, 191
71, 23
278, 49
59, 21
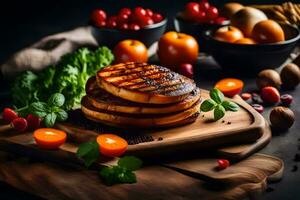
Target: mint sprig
218, 104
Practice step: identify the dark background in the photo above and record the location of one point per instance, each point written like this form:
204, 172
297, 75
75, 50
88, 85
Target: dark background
26, 21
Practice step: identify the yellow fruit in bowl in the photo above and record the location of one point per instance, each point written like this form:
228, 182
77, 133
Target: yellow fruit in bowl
246, 18
268, 31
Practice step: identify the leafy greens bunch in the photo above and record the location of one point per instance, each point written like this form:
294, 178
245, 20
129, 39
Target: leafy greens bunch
67, 77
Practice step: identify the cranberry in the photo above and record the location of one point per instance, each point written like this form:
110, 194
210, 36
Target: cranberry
270, 95
220, 20
204, 5
149, 12
246, 96
145, 21
112, 22
122, 18
100, 24
259, 108
98, 15
286, 99
157, 17
126, 11
123, 26
192, 10
34, 122
201, 18
134, 27
9, 115
212, 13
223, 163
139, 12
186, 69
19, 124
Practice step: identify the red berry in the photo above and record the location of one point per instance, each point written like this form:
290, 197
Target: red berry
145, 21
246, 96
124, 26
270, 95
126, 11
112, 22
134, 27
192, 10
223, 163
204, 5
9, 115
220, 20
19, 124
122, 18
100, 24
33, 121
157, 17
259, 108
98, 15
186, 69
201, 18
139, 12
286, 99
212, 13
149, 12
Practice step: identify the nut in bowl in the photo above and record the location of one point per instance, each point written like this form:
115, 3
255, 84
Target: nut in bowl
138, 24
250, 58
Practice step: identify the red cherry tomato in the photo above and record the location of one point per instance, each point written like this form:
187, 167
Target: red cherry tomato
134, 27
20, 124
9, 115
270, 95
192, 10
139, 12
34, 122
204, 5
112, 22
98, 15
126, 11
122, 18
149, 12
223, 163
157, 17
212, 13
201, 18
145, 21
124, 26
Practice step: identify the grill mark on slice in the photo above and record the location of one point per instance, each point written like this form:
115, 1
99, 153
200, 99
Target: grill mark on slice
127, 71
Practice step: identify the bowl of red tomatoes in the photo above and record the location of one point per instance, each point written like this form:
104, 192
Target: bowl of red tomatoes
139, 23
198, 17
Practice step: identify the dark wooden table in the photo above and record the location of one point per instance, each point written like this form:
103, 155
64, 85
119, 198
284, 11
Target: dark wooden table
47, 17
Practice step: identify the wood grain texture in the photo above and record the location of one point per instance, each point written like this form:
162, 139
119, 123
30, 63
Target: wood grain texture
50, 181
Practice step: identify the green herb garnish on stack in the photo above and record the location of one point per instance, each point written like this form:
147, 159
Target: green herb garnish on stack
218, 104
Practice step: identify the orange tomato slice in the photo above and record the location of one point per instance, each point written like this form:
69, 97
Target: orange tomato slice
230, 86
111, 145
49, 138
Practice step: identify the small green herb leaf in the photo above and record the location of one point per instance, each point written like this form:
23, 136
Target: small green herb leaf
89, 152
208, 105
117, 174
56, 99
49, 120
216, 95
62, 115
231, 106
219, 112
130, 162
38, 108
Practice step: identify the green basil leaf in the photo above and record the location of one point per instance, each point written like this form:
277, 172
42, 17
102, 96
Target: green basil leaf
39, 109
219, 112
216, 95
117, 174
62, 115
88, 152
130, 162
127, 177
50, 119
231, 106
208, 105
56, 99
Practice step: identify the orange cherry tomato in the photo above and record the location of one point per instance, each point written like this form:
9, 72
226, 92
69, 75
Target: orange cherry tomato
49, 138
228, 34
177, 48
245, 41
130, 51
111, 145
268, 31
230, 86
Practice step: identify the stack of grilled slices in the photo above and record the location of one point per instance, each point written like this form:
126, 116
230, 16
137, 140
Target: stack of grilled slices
140, 95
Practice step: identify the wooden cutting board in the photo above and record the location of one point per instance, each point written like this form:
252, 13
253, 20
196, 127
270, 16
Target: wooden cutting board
244, 126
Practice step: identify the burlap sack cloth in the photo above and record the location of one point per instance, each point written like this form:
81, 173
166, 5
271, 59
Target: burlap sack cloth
176, 181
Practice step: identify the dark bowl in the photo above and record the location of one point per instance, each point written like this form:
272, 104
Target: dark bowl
148, 35
250, 59
196, 30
